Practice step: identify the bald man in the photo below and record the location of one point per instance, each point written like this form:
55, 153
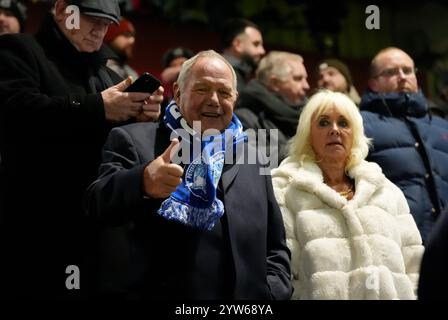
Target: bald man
409, 144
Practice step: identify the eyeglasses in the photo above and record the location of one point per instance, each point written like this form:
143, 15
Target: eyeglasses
392, 72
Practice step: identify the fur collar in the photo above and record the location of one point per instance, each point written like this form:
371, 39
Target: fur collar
368, 178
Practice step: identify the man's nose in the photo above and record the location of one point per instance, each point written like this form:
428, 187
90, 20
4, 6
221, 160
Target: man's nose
306, 85
214, 97
401, 74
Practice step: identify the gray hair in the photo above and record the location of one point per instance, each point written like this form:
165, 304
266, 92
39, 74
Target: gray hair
187, 65
276, 63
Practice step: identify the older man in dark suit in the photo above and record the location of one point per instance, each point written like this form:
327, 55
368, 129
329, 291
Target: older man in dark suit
198, 226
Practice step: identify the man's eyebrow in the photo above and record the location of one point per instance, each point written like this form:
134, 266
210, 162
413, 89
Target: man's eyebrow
199, 82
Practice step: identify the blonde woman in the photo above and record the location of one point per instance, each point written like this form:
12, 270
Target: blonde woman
348, 227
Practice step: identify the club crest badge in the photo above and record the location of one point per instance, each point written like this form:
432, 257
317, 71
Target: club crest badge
198, 172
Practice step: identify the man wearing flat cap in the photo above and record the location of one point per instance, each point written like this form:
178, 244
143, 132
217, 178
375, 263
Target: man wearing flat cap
12, 16
58, 102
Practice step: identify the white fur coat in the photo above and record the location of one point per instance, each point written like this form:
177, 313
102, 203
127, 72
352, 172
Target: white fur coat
365, 248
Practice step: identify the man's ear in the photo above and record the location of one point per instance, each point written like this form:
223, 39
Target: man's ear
60, 15
373, 84
176, 90
237, 44
59, 10
273, 83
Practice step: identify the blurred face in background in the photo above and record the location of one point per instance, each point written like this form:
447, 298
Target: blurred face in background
394, 71
177, 62
249, 45
124, 44
8, 22
294, 86
332, 79
170, 74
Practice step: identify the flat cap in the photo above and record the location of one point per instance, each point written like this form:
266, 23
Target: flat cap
108, 9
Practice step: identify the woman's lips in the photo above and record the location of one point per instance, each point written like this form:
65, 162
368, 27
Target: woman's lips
334, 143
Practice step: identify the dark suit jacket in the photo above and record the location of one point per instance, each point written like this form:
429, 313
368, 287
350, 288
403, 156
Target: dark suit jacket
165, 258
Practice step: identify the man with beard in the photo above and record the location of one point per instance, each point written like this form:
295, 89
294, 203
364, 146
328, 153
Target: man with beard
121, 39
243, 48
275, 98
409, 143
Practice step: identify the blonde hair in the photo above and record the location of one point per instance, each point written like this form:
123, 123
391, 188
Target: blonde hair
300, 148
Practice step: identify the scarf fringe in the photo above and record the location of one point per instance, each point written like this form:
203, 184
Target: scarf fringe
198, 218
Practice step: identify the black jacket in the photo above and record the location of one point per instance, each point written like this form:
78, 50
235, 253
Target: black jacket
433, 279
243, 257
52, 129
243, 70
259, 108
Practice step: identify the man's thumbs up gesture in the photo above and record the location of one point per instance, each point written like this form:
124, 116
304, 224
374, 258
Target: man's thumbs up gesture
161, 177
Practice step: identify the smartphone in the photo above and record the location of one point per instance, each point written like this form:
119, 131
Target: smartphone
145, 83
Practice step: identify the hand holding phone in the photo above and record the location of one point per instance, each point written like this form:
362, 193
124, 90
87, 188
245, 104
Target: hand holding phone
145, 83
